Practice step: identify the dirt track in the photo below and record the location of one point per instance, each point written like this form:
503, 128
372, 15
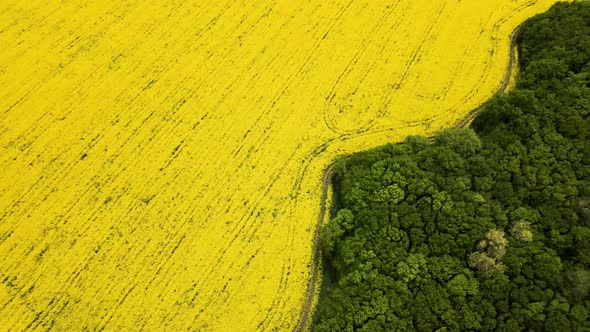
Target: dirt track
310, 292
505, 80
306, 311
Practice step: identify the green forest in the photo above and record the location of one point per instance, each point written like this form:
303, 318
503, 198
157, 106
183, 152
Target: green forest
485, 228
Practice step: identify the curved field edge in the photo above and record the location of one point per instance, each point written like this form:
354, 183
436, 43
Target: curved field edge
351, 142
304, 322
508, 83
190, 241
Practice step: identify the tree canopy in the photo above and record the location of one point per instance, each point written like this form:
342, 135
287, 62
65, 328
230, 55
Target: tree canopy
486, 228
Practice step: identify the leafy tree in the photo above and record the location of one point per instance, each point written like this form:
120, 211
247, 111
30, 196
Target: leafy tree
494, 244
335, 229
521, 230
464, 141
484, 263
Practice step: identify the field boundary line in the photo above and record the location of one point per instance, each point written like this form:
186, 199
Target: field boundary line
304, 321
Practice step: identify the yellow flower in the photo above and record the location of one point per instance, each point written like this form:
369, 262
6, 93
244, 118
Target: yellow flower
161, 162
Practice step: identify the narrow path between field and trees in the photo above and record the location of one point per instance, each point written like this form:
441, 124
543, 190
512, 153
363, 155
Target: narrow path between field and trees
310, 293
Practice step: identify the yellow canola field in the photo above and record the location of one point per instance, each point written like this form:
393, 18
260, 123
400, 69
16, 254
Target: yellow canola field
161, 161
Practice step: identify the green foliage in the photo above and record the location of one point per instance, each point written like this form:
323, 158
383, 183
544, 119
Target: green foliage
485, 264
335, 229
521, 230
486, 228
494, 244
576, 285
464, 141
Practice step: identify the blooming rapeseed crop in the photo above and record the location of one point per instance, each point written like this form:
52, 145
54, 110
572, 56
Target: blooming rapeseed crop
160, 161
